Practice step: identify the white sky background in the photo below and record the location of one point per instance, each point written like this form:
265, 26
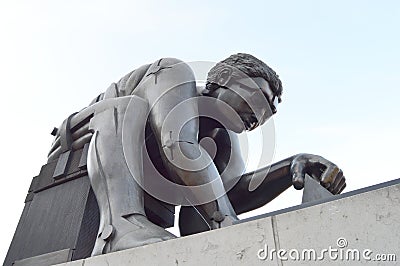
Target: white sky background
339, 62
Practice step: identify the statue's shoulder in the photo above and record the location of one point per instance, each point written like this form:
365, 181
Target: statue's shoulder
125, 86
129, 82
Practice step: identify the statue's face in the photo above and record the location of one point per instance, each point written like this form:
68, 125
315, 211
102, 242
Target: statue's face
252, 99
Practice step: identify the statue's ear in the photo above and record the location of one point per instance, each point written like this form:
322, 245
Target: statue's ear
224, 76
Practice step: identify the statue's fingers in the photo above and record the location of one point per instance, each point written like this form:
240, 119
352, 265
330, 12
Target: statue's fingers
340, 187
335, 185
329, 175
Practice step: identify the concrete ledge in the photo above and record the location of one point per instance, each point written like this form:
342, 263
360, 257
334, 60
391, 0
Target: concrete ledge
366, 223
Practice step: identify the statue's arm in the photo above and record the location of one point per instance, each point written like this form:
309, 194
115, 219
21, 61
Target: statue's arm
257, 188
277, 178
174, 118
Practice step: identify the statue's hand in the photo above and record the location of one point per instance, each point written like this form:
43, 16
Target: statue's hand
322, 170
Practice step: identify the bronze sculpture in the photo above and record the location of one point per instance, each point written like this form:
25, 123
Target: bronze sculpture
159, 103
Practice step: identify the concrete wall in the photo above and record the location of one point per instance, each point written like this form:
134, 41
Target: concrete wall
366, 223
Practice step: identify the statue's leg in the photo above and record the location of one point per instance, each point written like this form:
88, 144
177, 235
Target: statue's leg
123, 223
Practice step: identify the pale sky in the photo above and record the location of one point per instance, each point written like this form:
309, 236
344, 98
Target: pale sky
339, 62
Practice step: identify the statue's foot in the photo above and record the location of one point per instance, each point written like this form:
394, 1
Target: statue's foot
130, 231
141, 232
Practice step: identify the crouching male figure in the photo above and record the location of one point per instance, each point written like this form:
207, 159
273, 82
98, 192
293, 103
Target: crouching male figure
160, 105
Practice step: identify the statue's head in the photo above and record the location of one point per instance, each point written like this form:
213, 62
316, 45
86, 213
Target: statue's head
248, 85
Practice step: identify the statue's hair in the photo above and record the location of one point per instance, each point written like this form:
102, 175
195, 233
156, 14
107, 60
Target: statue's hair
242, 65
